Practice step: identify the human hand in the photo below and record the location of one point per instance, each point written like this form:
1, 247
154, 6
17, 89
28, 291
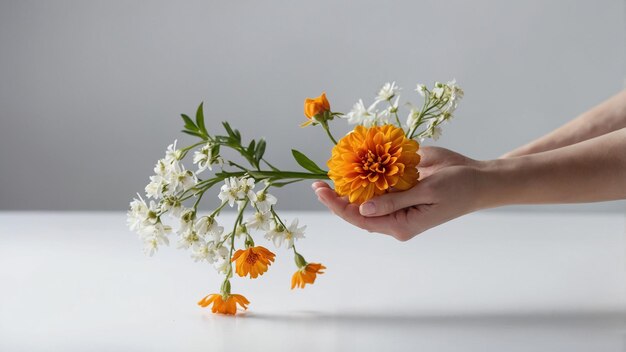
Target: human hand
450, 186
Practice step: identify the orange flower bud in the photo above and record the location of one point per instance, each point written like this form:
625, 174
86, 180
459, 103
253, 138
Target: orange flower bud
315, 106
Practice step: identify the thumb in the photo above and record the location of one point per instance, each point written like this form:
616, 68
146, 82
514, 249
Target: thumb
390, 202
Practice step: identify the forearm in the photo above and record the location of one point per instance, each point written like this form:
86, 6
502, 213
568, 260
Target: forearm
607, 117
589, 171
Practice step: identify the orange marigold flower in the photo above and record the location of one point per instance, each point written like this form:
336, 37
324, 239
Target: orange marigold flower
253, 261
306, 275
369, 161
224, 306
315, 106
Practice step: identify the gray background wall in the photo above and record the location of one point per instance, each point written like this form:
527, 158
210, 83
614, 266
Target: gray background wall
90, 91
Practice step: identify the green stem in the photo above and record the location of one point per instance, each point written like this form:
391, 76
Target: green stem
195, 205
327, 129
232, 239
276, 175
268, 164
398, 120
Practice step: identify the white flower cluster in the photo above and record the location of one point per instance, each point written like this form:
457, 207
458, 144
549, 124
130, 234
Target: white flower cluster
202, 235
370, 116
439, 104
144, 219
171, 178
241, 191
206, 156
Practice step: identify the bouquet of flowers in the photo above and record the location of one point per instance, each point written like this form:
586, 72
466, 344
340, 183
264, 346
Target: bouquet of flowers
380, 154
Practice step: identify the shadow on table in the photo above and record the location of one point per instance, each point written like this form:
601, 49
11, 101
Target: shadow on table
599, 319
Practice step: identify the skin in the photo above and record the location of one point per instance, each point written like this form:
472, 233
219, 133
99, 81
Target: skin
582, 161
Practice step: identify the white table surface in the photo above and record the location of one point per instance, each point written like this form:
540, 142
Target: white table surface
485, 282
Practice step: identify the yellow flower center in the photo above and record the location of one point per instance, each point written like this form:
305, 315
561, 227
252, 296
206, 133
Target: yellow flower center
375, 163
252, 258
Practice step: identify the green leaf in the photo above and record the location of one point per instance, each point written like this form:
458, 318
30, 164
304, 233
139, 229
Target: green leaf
200, 120
306, 163
189, 123
251, 147
222, 139
260, 150
228, 129
195, 134
281, 184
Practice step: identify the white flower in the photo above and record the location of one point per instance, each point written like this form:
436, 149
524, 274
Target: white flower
155, 235
172, 154
205, 252
181, 180
141, 215
279, 235
216, 234
208, 226
454, 94
276, 234
421, 89
264, 201
259, 221
362, 116
240, 230
151, 246
187, 218
411, 119
438, 90
163, 167
189, 238
228, 191
204, 157
222, 260
435, 132
172, 205
246, 189
237, 190
155, 188
387, 92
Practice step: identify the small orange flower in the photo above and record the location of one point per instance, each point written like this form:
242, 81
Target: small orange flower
253, 260
306, 275
315, 106
228, 306
369, 161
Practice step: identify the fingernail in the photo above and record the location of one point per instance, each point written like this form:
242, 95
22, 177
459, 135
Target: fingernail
314, 185
320, 195
367, 208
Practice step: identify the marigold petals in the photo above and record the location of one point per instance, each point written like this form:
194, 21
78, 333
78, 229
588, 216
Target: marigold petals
369, 161
306, 275
221, 306
382, 184
253, 261
237, 254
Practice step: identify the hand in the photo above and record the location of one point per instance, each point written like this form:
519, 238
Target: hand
449, 187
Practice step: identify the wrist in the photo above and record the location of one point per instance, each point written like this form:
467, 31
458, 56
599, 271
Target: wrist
497, 182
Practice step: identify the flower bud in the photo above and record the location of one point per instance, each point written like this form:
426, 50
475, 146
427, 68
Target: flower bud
299, 259
317, 110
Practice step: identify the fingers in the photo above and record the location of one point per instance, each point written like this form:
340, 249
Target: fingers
350, 212
428, 155
389, 203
